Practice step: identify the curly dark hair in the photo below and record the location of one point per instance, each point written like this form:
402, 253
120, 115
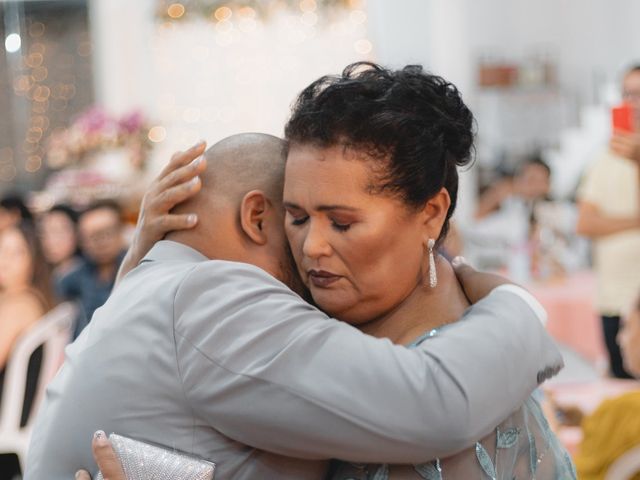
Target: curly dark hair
414, 123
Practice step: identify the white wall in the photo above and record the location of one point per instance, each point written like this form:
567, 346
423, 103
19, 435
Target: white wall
121, 33
590, 37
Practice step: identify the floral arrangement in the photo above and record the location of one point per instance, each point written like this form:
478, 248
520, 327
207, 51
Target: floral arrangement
96, 131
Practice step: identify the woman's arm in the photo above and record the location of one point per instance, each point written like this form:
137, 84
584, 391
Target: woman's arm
177, 182
491, 200
593, 224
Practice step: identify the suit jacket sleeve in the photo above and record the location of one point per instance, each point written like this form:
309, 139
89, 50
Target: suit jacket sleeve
265, 368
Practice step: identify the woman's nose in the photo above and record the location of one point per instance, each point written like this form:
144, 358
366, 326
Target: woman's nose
315, 244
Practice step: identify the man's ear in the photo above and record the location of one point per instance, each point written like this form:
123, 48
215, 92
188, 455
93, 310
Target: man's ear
434, 214
253, 209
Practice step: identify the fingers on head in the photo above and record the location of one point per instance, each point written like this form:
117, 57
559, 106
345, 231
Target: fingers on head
182, 158
183, 174
169, 223
169, 198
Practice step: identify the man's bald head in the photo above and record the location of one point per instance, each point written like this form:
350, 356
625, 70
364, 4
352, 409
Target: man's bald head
241, 163
237, 165
239, 207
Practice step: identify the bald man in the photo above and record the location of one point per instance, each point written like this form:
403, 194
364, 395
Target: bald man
204, 348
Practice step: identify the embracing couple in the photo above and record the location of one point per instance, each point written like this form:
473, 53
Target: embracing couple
208, 346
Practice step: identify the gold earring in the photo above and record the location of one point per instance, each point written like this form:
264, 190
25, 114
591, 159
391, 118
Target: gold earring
433, 276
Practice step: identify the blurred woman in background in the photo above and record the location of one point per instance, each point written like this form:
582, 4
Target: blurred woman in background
614, 428
25, 284
59, 237
25, 297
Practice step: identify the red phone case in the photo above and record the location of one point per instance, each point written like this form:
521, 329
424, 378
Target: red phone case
622, 117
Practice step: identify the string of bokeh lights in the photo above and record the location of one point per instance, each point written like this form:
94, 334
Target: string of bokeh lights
232, 19
244, 16
46, 94
229, 19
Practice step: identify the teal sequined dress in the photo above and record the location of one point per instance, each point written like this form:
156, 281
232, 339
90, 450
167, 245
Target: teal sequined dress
522, 447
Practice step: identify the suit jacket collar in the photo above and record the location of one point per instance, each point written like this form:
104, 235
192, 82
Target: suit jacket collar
168, 250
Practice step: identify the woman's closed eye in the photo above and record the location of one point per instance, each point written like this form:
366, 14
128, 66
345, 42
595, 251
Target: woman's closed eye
341, 227
299, 220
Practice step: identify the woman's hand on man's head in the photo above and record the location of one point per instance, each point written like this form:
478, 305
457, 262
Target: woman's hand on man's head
176, 183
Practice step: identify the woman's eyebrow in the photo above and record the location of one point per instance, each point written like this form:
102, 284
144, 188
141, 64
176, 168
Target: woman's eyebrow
321, 208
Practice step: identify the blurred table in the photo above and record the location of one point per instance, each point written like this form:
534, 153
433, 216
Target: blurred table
587, 397
573, 318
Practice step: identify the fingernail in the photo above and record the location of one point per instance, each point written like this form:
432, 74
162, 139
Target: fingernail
192, 218
77, 476
197, 161
459, 261
100, 436
200, 143
194, 181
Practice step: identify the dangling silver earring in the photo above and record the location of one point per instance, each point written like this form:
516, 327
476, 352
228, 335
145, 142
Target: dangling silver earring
433, 276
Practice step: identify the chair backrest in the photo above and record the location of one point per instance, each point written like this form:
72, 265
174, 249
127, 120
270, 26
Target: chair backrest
625, 466
53, 332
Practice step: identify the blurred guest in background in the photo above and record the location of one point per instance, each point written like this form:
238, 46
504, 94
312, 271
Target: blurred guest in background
24, 278
100, 230
12, 211
600, 449
530, 183
600, 446
58, 233
629, 340
627, 144
25, 297
505, 220
609, 214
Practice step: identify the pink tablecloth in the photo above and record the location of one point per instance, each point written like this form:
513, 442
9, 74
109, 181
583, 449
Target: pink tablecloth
573, 319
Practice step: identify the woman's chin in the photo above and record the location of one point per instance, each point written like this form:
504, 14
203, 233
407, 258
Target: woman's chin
329, 302
338, 308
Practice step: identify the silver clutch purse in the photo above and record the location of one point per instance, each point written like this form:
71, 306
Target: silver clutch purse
141, 461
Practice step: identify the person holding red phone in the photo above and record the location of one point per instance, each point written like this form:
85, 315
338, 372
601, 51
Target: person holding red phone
625, 140
609, 214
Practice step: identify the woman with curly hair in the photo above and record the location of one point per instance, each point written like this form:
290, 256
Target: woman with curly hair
370, 186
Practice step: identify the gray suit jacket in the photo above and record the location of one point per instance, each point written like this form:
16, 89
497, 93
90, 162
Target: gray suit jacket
221, 360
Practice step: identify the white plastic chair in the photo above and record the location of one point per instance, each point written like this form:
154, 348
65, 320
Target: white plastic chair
627, 465
53, 331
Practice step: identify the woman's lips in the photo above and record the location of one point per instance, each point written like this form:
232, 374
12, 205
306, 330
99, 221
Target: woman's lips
322, 279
